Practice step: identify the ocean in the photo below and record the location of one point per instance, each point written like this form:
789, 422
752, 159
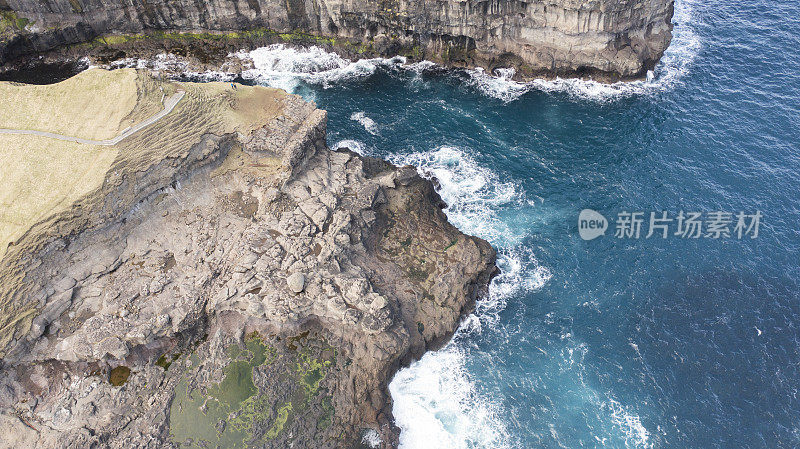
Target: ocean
614, 342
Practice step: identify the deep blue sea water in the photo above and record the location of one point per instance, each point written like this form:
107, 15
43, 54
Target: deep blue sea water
613, 343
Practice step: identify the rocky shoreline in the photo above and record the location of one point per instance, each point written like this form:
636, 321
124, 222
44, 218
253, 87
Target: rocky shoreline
231, 281
607, 40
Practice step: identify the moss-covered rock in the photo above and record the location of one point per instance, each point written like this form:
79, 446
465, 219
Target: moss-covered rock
266, 384
119, 376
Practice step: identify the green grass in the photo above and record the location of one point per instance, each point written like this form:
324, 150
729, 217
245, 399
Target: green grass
10, 22
295, 36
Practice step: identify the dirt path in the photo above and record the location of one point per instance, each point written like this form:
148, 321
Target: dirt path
169, 105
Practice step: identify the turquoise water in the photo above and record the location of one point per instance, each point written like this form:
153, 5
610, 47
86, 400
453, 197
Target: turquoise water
663, 343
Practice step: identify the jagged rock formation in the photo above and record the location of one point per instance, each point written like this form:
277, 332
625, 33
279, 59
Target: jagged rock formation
606, 38
232, 282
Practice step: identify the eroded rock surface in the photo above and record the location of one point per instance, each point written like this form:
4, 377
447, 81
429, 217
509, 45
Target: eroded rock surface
247, 288
606, 38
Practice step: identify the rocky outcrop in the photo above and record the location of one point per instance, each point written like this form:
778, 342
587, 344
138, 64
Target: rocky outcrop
606, 38
240, 287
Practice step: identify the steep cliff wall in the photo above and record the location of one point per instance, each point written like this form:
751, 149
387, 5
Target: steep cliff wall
618, 38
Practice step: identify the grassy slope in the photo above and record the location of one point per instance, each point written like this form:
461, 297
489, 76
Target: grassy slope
41, 176
96, 104
51, 188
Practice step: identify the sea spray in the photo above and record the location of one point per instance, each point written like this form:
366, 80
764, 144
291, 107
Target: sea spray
288, 67
667, 74
285, 67
436, 403
365, 121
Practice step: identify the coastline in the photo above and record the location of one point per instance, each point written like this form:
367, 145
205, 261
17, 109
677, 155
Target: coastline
164, 274
208, 50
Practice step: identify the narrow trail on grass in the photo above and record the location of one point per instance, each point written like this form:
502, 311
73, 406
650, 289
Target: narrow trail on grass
169, 105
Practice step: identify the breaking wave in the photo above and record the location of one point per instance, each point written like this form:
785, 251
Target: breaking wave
352, 145
170, 63
285, 67
288, 68
436, 403
674, 65
472, 192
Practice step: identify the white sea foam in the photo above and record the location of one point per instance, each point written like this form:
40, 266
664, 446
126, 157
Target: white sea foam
436, 404
352, 145
284, 67
500, 85
172, 64
472, 193
674, 64
421, 66
636, 436
365, 121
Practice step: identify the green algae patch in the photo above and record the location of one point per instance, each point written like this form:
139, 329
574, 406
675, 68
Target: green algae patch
265, 394
254, 409
280, 422
224, 414
326, 419
165, 361
237, 384
119, 376
310, 372
199, 421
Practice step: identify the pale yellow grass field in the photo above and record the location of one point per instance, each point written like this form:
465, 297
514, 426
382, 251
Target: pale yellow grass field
40, 176
247, 108
96, 104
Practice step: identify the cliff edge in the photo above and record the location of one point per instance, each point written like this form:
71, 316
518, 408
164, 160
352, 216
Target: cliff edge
218, 278
613, 39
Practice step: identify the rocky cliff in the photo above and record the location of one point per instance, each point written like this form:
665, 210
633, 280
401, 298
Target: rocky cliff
225, 280
604, 38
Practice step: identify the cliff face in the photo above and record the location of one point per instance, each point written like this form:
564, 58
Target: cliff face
617, 38
229, 281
